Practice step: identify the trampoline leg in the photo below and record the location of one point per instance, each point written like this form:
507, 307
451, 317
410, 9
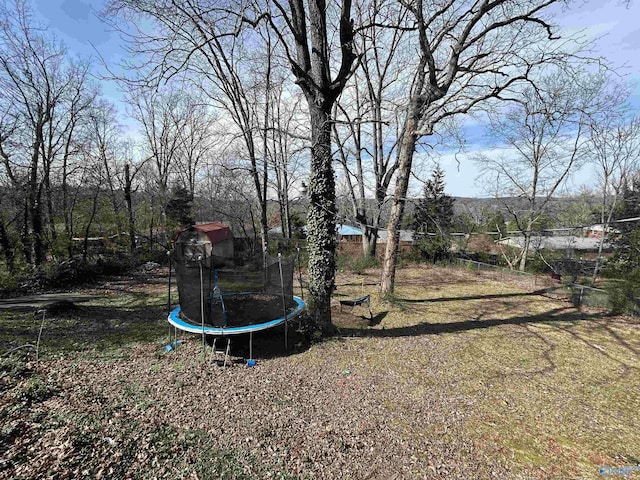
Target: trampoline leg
286, 335
226, 353
250, 345
213, 348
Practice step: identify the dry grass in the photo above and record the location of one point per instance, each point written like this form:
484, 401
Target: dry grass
456, 376
554, 390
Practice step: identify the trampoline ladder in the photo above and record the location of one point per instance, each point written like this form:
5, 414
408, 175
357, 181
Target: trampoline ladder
221, 350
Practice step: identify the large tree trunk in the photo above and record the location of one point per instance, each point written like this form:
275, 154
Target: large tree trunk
32, 236
128, 181
369, 240
321, 219
407, 147
7, 247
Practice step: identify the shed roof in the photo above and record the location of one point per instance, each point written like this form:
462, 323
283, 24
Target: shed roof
214, 231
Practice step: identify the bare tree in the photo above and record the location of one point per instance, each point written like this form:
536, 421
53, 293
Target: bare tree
42, 95
304, 31
200, 40
161, 122
286, 137
367, 121
544, 134
197, 138
614, 138
92, 180
467, 52
105, 134
207, 38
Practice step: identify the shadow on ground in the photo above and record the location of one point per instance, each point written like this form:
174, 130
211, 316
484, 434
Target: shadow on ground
70, 327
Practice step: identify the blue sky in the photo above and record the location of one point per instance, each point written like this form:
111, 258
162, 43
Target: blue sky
613, 26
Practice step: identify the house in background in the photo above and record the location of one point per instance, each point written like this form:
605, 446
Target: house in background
406, 238
596, 231
570, 244
348, 233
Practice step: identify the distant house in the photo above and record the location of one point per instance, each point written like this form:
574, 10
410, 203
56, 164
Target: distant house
348, 233
275, 231
406, 237
93, 244
567, 243
596, 231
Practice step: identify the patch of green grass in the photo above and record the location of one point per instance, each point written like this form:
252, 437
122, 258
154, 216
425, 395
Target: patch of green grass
35, 389
539, 372
179, 366
136, 394
13, 367
396, 301
108, 331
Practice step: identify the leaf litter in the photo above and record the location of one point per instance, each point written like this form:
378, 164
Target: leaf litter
461, 376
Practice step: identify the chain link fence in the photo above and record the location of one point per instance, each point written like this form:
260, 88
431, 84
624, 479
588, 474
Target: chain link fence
500, 273
576, 293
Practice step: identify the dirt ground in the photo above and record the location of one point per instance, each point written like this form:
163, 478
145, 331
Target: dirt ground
459, 375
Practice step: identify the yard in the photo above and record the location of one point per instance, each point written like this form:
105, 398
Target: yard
459, 375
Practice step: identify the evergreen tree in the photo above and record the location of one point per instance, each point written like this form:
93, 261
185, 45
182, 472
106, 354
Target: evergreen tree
627, 243
433, 218
624, 289
496, 224
180, 205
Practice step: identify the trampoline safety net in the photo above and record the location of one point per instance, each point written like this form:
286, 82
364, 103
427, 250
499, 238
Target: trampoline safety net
214, 292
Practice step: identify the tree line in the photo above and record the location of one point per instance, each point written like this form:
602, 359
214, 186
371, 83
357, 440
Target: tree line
243, 101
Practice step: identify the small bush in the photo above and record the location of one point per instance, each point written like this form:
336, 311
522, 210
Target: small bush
411, 255
356, 264
13, 367
360, 264
7, 280
34, 390
435, 248
624, 295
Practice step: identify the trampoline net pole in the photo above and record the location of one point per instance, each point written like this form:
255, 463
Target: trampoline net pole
284, 303
169, 294
300, 273
202, 303
169, 286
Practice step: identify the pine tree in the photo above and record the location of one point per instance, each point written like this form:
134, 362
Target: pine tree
434, 217
624, 291
627, 244
180, 205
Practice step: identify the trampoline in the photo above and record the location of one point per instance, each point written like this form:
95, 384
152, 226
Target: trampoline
219, 299
176, 320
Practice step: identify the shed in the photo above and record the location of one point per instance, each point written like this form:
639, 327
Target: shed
215, 238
